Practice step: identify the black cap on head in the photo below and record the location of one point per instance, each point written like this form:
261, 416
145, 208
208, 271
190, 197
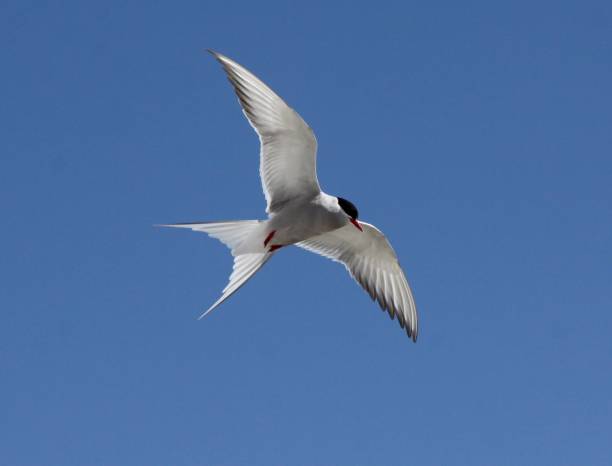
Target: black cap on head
348, 207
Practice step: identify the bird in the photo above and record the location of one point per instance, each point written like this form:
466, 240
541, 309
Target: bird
299, 212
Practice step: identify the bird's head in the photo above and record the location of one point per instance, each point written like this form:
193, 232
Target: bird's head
351, 212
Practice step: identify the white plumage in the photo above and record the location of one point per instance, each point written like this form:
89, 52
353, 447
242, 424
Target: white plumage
299, 212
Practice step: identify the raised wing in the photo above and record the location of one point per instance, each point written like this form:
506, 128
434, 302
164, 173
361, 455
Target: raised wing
371, 261
288, 145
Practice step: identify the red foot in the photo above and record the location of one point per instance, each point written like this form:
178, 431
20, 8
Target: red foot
269, 237
274, 247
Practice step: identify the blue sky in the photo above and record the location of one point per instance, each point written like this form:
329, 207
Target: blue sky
476, 135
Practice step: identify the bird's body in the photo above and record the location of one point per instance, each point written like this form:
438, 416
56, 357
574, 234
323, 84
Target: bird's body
299, 212
304, 218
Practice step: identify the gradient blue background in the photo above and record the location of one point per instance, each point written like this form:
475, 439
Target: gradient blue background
477, 135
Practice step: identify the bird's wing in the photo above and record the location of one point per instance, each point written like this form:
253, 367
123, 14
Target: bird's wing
288, 145
371, 261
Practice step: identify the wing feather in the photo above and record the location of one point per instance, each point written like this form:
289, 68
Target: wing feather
288, 146
371, 261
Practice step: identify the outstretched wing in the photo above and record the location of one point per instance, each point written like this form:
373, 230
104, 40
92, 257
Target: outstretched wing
371, 261
288, 145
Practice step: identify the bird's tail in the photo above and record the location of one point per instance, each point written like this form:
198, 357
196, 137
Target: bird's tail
236, 235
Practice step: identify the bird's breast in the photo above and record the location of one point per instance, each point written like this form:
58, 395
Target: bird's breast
302, 222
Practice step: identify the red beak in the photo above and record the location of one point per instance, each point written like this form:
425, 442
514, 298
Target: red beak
356, 223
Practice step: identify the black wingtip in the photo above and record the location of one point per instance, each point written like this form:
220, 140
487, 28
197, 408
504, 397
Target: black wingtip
217, 56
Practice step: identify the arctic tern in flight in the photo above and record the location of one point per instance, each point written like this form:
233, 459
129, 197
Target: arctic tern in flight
299, 212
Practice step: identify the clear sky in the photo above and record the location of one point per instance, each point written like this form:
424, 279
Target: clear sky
477, 135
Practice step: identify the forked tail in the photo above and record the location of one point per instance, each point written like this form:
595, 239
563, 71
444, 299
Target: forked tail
234, 235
